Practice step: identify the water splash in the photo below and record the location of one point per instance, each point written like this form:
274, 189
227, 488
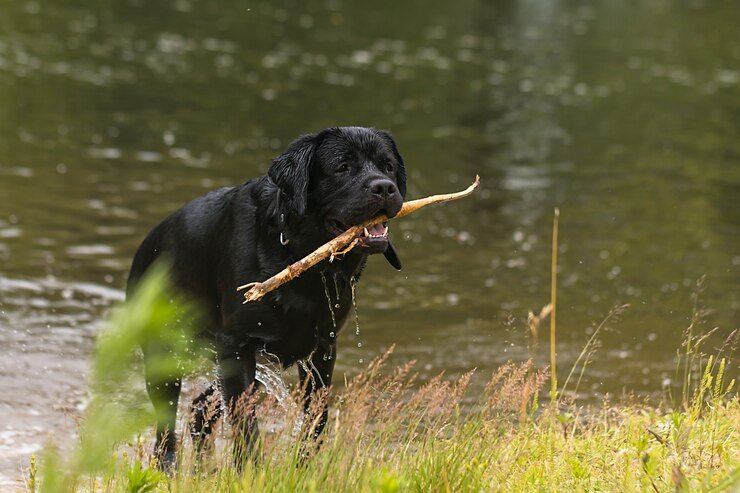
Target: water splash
271, 379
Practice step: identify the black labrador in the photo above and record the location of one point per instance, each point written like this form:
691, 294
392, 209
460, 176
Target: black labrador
322, 184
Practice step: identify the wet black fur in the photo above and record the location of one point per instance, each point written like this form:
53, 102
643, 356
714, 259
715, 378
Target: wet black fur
232, 235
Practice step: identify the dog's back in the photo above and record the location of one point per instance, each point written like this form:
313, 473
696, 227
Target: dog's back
189, 239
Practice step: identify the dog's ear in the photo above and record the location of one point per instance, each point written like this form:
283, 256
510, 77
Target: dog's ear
392, 256
401, 168
390, 253
291, 170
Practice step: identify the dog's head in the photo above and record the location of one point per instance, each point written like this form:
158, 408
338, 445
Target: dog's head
340, 177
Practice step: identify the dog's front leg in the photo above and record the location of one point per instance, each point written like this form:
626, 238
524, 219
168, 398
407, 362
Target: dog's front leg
238, 385
315, 377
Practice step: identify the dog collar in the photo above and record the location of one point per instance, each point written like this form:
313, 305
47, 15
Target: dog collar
281, 218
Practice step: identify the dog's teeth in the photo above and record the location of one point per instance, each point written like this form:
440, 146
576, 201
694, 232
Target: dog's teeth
367, 233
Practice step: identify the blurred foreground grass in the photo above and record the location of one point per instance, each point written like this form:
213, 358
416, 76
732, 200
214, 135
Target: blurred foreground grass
387, 433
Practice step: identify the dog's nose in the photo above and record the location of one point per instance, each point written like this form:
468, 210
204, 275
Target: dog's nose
383, 187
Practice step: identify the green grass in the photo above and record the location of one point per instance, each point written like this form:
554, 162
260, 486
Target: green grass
388, 433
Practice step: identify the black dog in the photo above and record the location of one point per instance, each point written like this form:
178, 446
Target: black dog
322, 184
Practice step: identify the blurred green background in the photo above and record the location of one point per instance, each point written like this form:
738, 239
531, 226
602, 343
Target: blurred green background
624, 114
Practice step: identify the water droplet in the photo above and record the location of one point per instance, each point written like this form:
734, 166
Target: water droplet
331, 334
328, 300
359, 344
354, 306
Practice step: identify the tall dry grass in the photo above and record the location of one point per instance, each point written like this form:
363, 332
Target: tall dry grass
389, 432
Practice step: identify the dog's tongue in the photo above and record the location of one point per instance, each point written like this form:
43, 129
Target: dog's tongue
376, 229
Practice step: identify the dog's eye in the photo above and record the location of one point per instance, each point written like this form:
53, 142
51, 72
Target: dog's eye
389, 166
342, 168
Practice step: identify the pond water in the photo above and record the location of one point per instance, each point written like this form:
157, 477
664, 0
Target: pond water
625, 115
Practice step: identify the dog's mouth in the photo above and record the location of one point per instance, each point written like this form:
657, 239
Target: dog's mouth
373, 239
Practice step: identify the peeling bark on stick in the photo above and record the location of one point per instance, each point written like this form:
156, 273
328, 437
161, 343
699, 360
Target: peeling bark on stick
342, 244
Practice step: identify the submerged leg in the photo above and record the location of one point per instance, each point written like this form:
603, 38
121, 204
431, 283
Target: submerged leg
316, 377
206, 410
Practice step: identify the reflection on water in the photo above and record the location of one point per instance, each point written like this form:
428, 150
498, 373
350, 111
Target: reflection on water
623, 115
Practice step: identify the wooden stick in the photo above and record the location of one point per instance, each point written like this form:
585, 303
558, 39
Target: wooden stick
342, 244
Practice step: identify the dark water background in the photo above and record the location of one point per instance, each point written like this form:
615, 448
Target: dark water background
624, 114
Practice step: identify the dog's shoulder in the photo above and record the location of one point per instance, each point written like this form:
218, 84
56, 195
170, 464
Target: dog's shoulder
216, 211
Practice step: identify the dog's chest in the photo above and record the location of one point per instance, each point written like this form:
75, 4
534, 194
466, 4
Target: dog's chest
313, 313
